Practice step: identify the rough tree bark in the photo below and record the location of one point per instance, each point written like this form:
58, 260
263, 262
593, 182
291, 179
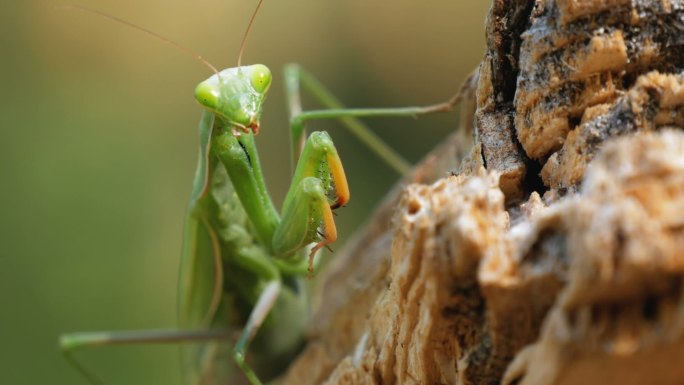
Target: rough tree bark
553, 253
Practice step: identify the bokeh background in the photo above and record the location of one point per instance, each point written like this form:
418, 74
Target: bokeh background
98, 148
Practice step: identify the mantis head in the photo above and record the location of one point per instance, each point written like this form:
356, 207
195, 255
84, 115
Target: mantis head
235, 95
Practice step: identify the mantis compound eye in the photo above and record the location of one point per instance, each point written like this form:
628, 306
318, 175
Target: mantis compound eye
260, 78
207, 95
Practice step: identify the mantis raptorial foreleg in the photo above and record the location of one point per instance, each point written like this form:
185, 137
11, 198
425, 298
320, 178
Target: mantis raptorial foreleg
319, 169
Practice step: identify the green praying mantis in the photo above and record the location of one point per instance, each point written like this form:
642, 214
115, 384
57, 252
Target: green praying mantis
243, 264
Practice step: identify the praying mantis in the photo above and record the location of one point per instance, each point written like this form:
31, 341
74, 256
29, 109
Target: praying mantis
243, 263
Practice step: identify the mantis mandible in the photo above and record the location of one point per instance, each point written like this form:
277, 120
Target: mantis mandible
243, 262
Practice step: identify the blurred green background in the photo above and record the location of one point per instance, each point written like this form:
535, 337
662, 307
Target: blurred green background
98, 135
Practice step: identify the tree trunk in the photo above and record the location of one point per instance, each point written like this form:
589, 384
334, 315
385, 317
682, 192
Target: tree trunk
549, 249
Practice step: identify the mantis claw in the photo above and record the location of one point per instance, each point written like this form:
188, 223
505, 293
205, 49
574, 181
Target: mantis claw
312, 254
323, 237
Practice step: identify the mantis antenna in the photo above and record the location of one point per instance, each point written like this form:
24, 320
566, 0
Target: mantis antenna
249, 28
172, 43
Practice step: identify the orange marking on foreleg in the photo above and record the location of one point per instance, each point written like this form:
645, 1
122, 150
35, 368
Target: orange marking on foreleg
329, 234
341, 185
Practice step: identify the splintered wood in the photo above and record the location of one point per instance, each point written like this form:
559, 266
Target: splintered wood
554, 253
423, 323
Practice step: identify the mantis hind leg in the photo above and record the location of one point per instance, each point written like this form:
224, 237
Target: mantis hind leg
295, 76
261, 310
71, 342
